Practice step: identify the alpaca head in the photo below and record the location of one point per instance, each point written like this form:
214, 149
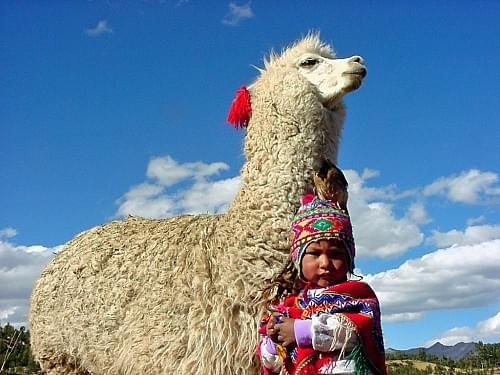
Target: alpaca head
296, 102
307, 67
332, 78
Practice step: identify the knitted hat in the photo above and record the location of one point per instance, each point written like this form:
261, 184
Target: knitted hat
319, 219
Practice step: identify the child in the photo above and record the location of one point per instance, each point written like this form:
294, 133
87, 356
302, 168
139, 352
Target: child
325, 324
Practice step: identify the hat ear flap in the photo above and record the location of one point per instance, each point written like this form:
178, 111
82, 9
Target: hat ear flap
307, 198
241, 109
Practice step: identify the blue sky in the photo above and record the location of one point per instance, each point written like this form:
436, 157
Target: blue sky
117, 107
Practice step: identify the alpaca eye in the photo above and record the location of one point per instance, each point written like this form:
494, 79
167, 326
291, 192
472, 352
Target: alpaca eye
309, 62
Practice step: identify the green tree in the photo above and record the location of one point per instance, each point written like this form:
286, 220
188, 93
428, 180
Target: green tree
15, 350
421, 355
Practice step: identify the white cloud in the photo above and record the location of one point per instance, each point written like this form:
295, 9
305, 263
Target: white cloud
237, 13
203, 196
102, 27
4, 314
471, 187
380, 231
369, 173
491, 325
14, 312
146, 200
207, 196
418, 214
377, 229
7, 232
455, 277
471, 235
144, 190
398, 317
476, 220
487, 331
168, 172
19, 267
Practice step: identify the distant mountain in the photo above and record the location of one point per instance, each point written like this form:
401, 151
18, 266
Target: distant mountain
455, 352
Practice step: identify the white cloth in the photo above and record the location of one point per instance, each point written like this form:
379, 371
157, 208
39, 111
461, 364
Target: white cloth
343, 367
270, 361
329, 332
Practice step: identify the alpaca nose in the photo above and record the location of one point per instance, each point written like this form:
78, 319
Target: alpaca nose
357, 59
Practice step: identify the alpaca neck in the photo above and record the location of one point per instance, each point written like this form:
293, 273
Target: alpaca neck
279, 168
277, 172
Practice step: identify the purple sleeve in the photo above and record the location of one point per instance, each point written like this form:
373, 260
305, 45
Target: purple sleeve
270, 346
302, 330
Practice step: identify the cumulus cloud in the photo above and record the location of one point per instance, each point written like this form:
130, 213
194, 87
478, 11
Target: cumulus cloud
237, 13
377, 229
206, 196
471, 235
9, 311
19, 267
417, 213
487, 331
7, 233
476, 220
168, 172
398, 317
455, 277
102, 27
154, 199
470, 187
146, 200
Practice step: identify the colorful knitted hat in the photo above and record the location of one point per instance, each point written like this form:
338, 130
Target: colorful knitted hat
319, 219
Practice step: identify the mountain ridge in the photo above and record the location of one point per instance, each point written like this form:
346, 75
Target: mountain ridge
455, 352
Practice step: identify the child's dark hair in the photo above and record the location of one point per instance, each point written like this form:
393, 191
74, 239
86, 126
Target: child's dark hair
285, 283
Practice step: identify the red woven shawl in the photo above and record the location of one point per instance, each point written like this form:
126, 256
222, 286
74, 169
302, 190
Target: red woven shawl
358, 303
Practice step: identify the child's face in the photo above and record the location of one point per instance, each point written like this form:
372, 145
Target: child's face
325, 263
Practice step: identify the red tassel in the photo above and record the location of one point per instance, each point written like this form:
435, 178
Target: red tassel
241, 109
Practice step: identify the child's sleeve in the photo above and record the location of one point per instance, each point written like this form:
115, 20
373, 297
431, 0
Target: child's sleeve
269, 356
326, 333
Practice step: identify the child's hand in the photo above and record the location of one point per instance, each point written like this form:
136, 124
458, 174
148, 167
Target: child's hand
271, 331
285, 331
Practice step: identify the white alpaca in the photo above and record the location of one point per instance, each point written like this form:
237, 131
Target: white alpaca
177, 296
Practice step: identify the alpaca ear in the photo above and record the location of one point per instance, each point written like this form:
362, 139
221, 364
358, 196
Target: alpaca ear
241, 109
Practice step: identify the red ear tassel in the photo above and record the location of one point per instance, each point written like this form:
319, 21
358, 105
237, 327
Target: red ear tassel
241, 109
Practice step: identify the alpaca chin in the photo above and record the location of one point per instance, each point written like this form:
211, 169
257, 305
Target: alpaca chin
349, 82
355, 82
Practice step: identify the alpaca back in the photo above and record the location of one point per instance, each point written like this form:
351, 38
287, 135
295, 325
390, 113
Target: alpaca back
116, 297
